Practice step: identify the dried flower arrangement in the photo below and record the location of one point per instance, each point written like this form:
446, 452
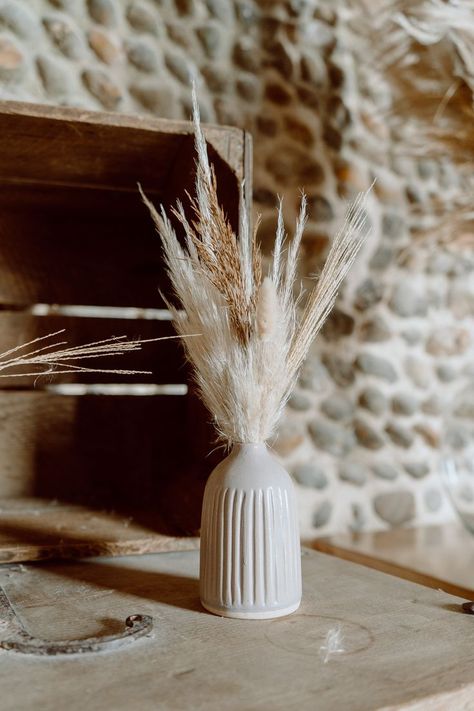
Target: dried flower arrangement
253, 341
251, 345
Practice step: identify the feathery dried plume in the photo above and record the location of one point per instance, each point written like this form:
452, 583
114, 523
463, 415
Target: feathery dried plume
53, 359
424, 50
252, 343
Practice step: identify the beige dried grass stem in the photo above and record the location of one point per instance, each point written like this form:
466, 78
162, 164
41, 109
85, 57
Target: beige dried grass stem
252, 342
53, 359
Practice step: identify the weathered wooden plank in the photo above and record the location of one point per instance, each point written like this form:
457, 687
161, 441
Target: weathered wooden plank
125, 453
37, 529
438, 556
404, 646
165, 359
65, 145
104, 241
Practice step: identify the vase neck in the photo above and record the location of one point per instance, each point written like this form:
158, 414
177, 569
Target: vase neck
249, 447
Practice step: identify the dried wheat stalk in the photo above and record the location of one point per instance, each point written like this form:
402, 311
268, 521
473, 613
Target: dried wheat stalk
54, 359
252, 341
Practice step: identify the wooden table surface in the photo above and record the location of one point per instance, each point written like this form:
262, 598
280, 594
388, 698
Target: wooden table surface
438, 556
405, 646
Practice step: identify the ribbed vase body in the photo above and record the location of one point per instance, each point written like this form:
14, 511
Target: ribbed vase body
250, 547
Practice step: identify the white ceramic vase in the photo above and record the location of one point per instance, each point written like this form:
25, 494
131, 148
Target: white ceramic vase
250, 547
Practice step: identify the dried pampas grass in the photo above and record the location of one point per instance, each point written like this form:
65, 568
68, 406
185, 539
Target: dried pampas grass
54, 359
424, 50
253, 341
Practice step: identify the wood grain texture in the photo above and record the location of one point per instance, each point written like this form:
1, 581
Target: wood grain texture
37, 529
66, 145
125, 453
406, 646
441, 557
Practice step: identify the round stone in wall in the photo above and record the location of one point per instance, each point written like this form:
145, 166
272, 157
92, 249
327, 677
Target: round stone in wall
338, 325
446, 372
383, 470
320, 209
404, 404
310, 475
102, 87
103, 11
412, 336
432, 405
399, 435
246, 54
11, 59
448, 341
313, 376
417, 470
375, 330
179, 67
322, 514
382, 258
64, 36
142, 56
290, 436
430, 435
367, 436
54, 77
141, 18
373, 399
338, 407
395, 507
340, 370
299, 402
332, 438
19, 20
293, 167
369, 293
155, 97
393, 226
104, 45
371, 364
210, 37
406, 301
353, 472
418, 370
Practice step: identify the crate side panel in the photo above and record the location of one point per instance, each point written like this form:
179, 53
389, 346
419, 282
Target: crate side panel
121, 453
77, 246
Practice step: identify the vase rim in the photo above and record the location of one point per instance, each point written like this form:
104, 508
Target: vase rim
249, 444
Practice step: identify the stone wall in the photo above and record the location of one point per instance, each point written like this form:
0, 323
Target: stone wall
363, 430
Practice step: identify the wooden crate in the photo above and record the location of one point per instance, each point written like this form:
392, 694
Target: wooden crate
78, 251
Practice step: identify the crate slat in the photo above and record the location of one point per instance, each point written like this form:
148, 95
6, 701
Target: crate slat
37, 529
52, 144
